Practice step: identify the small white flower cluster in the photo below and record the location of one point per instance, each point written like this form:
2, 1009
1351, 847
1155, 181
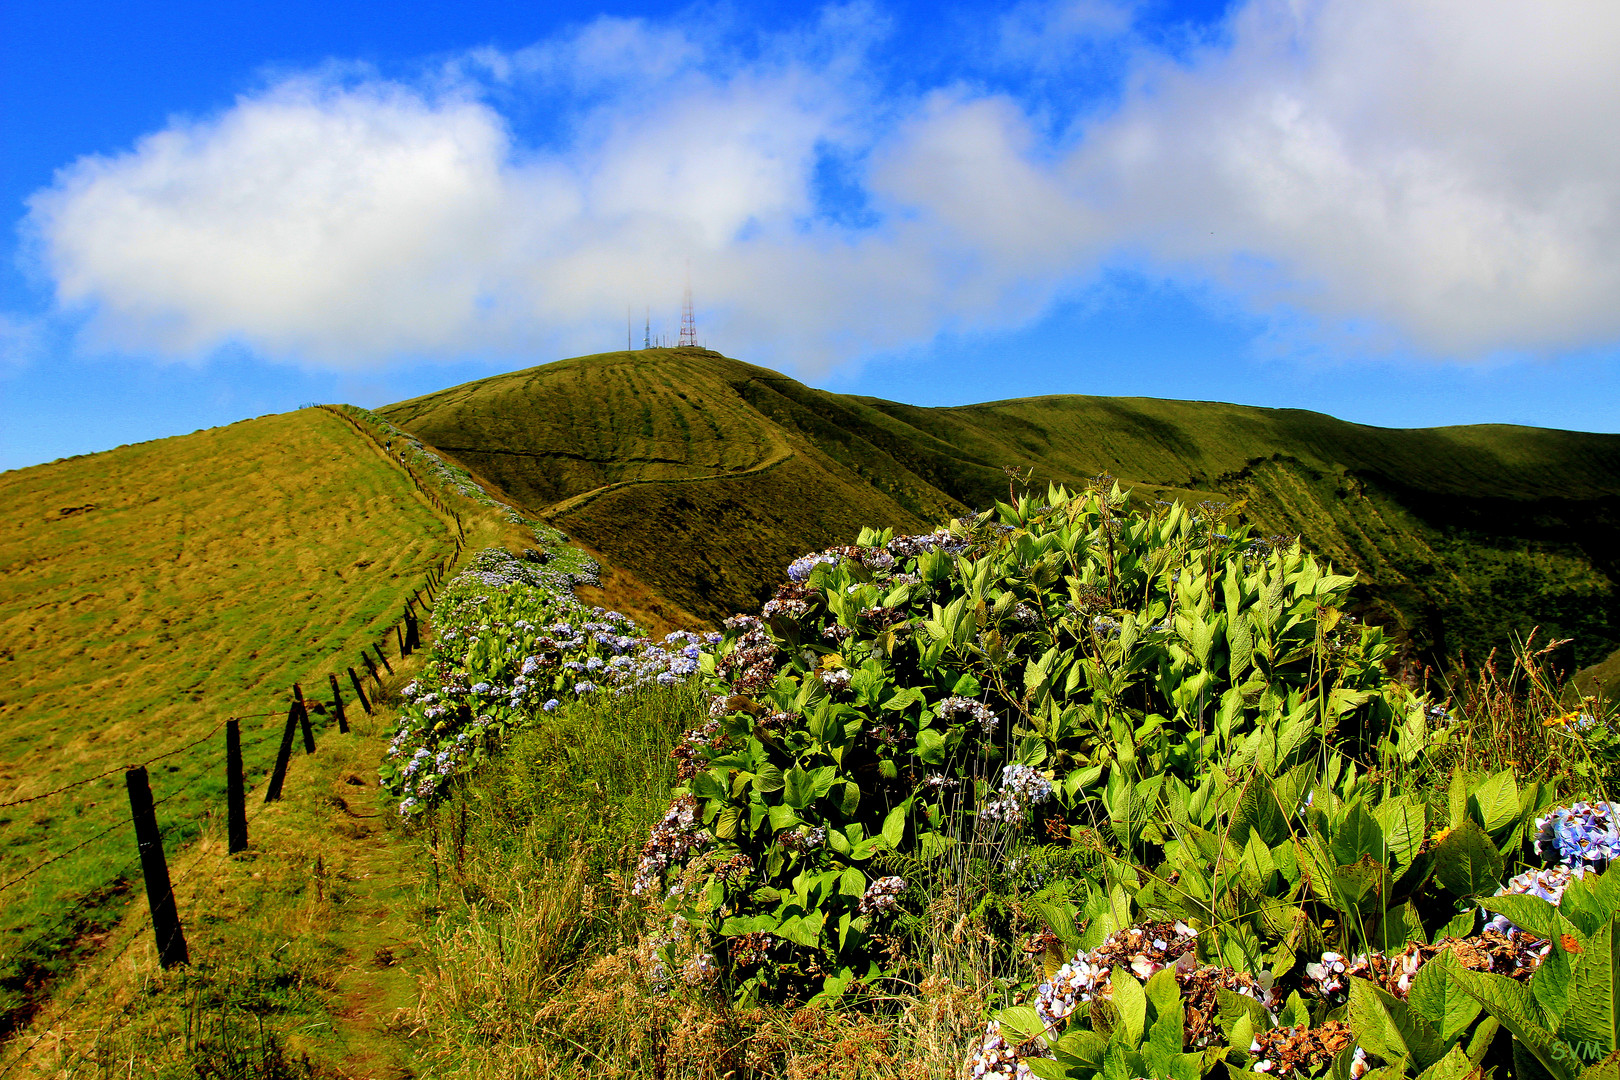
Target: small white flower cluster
977, 711
1146, 949
1021, 788
673, 839
803, 838
994, 1058
882, 896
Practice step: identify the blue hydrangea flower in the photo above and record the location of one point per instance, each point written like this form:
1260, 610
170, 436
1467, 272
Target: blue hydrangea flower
1581, 834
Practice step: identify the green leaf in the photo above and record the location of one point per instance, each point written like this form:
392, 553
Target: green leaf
1389, 1027
851, 882
1530, 913
1496, 801
768, 778
1514, 1006
1466, 862
931, 746
798, 790
725, 825
1435, 996
1594, 996
1454, 1066
1020, 1024
894, 825
1131, 1001
783, 817
1358, 835
1404, 823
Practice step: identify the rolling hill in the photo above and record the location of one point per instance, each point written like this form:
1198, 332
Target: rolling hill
146, 594
704, 476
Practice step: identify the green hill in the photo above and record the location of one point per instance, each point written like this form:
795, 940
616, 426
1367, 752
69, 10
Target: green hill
704, 477
146, 594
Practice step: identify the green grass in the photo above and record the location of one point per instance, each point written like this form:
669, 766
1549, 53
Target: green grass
702, 477
146, 594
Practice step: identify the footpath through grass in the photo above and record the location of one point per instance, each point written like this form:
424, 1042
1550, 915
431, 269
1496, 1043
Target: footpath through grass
147, 593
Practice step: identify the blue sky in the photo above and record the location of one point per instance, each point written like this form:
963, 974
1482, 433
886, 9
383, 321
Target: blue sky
1399, 214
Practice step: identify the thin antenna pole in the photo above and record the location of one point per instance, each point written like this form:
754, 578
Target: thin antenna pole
646, 331
688, 324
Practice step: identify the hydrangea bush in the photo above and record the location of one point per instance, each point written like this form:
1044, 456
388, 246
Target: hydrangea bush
1049, 669
511, 641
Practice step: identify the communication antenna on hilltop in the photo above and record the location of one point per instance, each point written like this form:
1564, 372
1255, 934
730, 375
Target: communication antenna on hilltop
688, 324
646, 330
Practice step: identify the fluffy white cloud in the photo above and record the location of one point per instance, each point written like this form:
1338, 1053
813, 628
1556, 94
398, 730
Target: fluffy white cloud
1442, 172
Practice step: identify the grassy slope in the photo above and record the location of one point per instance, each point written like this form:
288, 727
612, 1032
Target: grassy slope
705, 476
148, 592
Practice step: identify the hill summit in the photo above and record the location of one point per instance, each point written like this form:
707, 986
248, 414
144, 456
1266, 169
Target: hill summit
704, 476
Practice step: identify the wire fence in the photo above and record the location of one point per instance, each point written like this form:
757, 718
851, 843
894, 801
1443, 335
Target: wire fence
228, 768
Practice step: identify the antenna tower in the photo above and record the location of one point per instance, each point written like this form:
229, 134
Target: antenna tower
688, 324
646, 330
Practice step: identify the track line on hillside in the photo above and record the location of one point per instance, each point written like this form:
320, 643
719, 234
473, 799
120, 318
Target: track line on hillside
584, 499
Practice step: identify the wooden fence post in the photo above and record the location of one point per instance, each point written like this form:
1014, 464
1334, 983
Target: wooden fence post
337, 705
359, 691
399, 637
171, 941
378, 650
303, 719
235, 790
283, 756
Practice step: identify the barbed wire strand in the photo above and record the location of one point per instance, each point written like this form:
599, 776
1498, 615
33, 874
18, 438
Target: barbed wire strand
114, 827
135, 765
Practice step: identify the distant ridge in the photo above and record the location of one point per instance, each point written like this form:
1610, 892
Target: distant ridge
704, 476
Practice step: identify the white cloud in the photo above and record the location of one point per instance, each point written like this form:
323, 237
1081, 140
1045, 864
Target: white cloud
1443, 172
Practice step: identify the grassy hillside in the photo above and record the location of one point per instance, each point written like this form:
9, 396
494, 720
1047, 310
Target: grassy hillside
704, 476
146, 594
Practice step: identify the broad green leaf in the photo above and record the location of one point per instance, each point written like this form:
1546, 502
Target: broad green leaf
1466, 862
1496, 801
1594, 994
798, 789
852, 882
1436, 996
725, 825
1404, 823
768, 778
1391, 1028
1131, 1001
1398, 926
1607, 1069
1514, 1006
894, 825
1358, 835
1530, 913
1454, 1066
931, 746
1020, 1024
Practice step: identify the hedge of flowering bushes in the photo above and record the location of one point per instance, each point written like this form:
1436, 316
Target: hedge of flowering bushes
511, 640
1246, 860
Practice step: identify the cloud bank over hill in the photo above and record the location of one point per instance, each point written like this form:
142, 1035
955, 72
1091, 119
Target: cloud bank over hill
1438, 178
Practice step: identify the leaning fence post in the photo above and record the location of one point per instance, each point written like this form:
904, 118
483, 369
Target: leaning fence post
303, 719
337, 705
235, 789
273, 791
171, 941
378, 650
359, 691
